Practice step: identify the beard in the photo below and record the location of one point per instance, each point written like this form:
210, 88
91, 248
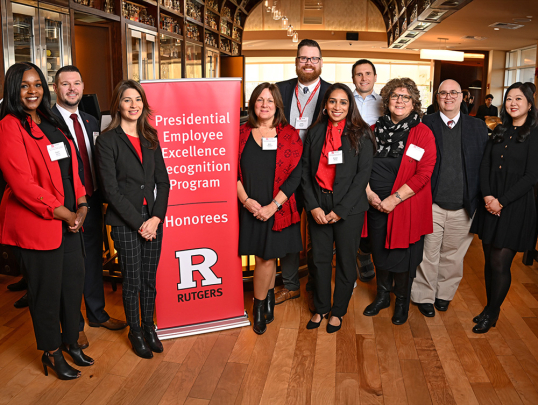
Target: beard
72, 103
308, 77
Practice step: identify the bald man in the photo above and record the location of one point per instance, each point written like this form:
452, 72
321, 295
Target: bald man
460, 141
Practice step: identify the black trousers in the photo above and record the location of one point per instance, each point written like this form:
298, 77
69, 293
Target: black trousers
139, 259
346, 235
94, 295
55, 283
289, 264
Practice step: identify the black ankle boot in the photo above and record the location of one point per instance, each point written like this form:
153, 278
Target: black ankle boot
78, 356
259, 325
139, 344
477, 318
401, 311
487, 321
382, 299
269, 306
62, 369
152, 339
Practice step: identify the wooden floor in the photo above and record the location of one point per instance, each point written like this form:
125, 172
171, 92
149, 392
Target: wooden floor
369, 361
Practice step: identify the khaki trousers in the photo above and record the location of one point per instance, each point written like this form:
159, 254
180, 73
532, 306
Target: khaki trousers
441, 270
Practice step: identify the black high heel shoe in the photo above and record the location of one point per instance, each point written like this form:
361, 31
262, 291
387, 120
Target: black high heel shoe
269, 306
259, 324
139, 344
78, 356
332, 328
152, 339
313, 325
62, 369
485, 324
477, 318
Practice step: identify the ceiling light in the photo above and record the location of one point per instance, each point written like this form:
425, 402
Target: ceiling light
295, 37
441, 54
474, 55
496, 29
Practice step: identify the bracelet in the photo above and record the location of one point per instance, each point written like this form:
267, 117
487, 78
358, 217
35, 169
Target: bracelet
83, 205
499, 203
244, 202
397, 195
278, 206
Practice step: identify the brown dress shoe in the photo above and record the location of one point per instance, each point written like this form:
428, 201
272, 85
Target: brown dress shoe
82, 340
112, 324
310, 299
284, 294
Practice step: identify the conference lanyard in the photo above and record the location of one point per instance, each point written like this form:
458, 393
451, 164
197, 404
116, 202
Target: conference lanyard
308, 101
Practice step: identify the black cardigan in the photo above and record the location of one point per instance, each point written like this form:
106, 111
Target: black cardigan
352, 176
125, 181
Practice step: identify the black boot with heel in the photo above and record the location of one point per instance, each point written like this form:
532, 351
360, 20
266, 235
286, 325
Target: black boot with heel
140, 346
57, 362
258, 311
78, 356
382, 299
269, 306
150, 335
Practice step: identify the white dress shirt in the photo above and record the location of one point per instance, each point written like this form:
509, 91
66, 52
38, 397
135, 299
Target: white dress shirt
446, 119
67, 118
310, 88
370, 108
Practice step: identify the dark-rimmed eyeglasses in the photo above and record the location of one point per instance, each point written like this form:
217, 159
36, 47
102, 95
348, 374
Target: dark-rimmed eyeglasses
453, 93
314, 59
405, 98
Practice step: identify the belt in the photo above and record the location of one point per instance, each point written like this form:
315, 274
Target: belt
325, 191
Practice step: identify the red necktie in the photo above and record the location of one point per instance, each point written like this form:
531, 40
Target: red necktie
450, 124
88, 180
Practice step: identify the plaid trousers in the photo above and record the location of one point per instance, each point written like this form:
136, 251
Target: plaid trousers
139, 259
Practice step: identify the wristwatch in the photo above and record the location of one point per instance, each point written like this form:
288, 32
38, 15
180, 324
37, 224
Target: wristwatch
83, 205
278, 206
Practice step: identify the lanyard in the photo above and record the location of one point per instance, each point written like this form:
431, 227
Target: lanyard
308, 101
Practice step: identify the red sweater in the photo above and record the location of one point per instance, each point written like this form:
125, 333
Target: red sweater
413, 218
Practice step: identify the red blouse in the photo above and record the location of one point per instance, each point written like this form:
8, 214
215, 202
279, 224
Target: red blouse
333, 141
135, 141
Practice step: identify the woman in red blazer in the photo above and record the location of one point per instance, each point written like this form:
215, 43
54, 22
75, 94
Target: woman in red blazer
42, 210
400, 196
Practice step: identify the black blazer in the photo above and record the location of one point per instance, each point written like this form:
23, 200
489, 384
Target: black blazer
91, 125
125, 181
287, 89
352, 176
474, 136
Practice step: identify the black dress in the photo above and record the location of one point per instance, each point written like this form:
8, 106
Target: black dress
384, 173
509, 172
257, 237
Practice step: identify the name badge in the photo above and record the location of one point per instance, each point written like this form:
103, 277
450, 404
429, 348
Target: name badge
415, 152
335, 158
95, 135
57, 151
301, 123
270, 143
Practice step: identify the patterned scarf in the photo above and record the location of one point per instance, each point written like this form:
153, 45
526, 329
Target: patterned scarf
390, 136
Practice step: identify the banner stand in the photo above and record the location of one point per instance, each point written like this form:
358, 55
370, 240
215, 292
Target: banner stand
206, 327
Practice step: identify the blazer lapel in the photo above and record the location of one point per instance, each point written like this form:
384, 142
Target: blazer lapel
68, 134
52, 167
318, 139
146, 152
125, 139
345, 148
89, 130
288, 97
438, 133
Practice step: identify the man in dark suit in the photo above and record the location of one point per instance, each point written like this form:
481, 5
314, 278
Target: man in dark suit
460, 141
487, 109
302, 98
84, 129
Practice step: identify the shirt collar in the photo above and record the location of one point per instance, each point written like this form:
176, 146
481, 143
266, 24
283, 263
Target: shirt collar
310, 88
373, 94
66, 114
446, 119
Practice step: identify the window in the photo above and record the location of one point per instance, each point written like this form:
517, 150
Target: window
520, 66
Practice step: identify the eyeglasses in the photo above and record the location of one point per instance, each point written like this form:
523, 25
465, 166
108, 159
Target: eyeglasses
314, 59
453, 93
405, 98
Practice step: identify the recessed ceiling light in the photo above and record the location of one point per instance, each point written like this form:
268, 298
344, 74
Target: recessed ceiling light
496, 29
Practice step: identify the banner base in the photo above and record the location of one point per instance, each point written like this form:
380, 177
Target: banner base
206, 327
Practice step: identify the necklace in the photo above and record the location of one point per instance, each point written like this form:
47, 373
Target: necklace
38, 121
262, 134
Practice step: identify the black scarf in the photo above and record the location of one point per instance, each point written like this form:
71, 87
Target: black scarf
389, 136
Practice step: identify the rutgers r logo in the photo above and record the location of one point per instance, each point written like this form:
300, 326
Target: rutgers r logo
187, 268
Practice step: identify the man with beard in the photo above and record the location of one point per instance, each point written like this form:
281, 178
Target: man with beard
370, 105
84, 129
302, 102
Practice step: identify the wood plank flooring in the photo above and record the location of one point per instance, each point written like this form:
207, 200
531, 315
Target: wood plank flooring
370, 361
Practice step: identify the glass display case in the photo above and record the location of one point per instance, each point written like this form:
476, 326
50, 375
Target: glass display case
212, 66
141, 55
170, 57
193, 61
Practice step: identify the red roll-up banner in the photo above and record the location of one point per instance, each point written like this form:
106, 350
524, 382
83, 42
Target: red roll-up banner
199, 279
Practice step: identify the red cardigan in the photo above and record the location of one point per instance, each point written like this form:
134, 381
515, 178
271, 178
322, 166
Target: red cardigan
413, 218
34, 188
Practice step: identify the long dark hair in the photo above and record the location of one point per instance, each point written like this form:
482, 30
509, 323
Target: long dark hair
530, 122
279, 118
142, 125
356, 128
12, 97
